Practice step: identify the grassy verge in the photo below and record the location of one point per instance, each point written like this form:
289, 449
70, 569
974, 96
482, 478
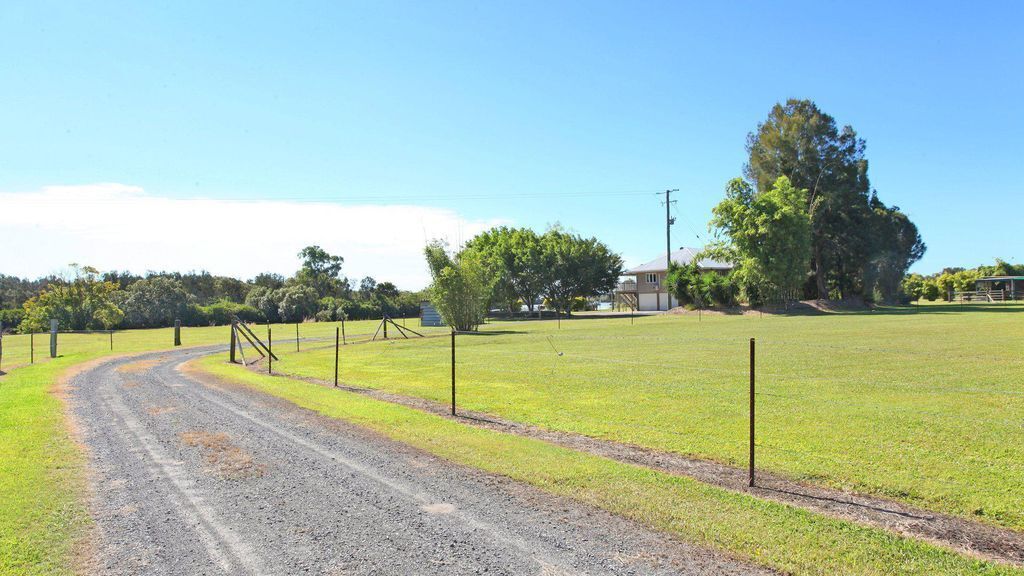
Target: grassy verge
922, 406
768, 533
42, 513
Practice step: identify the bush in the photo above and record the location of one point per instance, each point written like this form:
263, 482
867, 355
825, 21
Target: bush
719, 289
221, 312
10, 318
362, 310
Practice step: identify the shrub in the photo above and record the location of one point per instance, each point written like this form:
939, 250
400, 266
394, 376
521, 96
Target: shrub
10, 318
221, 312
719, 289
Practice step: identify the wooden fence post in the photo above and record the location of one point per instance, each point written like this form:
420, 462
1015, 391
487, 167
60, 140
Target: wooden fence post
336, 351
53, 337
177, 332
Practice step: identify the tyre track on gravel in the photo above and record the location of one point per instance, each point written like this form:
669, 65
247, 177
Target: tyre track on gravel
306, 494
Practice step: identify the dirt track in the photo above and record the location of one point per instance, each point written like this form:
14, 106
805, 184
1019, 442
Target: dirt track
203, 478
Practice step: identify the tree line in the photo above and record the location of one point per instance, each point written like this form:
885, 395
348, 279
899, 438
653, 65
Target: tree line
84, 298
507, 268
804, 220
944, 284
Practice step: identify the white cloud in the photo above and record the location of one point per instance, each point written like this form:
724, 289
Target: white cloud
116, 226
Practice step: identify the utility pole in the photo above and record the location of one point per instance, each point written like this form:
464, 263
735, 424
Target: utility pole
669, 221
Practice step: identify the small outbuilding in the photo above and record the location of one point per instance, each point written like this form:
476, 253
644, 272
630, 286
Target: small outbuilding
1000, 288
429, 315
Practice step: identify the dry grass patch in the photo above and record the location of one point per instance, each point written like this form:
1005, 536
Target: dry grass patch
227, 459
140, 365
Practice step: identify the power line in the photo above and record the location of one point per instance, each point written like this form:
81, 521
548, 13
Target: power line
334, 199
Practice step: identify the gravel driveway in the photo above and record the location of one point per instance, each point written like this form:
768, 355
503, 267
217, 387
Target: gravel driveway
194, 477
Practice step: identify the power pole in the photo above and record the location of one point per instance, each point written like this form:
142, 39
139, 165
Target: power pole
669, 221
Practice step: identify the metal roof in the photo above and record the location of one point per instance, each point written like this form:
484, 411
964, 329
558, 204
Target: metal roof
683, 256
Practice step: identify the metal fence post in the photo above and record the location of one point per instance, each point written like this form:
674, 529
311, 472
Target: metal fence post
453, 372
270, 352
336, 349
752, 352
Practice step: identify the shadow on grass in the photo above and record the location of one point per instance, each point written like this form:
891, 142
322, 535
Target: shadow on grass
491, 333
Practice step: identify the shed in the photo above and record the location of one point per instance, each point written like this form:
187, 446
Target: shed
1000, 287
429, 315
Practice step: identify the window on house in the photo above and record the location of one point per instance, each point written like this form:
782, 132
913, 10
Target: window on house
652, 278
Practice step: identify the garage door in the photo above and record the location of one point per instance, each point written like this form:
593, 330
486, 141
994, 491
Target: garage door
648, 302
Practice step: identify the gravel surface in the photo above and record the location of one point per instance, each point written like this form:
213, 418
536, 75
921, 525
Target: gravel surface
193, 477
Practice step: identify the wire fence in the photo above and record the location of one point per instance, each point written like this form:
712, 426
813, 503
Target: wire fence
941, 423
910, 423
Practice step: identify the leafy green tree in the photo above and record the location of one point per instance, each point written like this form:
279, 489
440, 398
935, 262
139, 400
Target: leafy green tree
297, 303
897, 245
769, 233
155, 302
265, 300
269, 280
78, 301
913, 286
321, 271
461, 286
803, 143
517, 261
577, 268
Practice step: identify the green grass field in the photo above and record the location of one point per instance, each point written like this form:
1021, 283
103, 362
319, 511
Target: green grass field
791, 540
926, 407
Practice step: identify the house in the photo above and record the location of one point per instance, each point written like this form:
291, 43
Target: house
646, 289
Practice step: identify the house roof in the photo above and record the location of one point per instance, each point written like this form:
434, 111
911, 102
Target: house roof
683, 256
998, 278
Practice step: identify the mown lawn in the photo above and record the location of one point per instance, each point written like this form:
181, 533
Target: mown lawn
41, 475
791, 540
924, 406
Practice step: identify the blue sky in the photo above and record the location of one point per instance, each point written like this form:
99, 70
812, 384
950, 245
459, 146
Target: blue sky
452, 116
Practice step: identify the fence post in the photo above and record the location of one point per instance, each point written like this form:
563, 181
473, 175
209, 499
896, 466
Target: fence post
231, 355
177, 332
53, 337
453, 372
111, 340
336, 348
296, 336
384, 321
270, 352
752, 352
